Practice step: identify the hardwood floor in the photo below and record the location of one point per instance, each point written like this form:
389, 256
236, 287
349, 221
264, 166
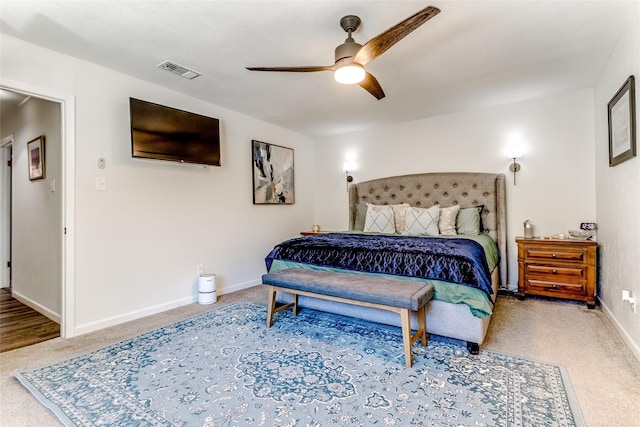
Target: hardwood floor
21, 326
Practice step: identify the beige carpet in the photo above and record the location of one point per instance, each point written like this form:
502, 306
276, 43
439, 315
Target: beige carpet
604, 373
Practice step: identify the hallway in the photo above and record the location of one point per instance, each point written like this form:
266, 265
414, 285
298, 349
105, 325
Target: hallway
21, 326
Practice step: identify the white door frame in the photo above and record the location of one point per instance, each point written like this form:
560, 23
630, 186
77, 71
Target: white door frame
5, 148
67, 107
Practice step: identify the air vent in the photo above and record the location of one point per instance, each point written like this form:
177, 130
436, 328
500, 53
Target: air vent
178, 69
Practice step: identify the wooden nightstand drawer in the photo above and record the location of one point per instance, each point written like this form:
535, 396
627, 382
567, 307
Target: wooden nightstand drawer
555, 253
539, 285
560, 272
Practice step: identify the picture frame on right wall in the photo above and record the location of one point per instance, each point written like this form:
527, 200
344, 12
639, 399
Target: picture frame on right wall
622, 124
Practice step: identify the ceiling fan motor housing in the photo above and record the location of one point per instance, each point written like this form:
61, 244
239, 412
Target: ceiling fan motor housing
348, 49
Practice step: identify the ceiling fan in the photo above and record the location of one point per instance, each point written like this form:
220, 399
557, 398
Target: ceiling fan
351, 57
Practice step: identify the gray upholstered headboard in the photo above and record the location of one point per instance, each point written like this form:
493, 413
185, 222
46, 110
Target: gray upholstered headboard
466, 189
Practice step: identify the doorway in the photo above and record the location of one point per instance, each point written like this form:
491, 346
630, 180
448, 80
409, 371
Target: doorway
32, 230
58, 185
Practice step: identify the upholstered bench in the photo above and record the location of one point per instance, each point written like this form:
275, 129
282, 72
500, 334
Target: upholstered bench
399, 296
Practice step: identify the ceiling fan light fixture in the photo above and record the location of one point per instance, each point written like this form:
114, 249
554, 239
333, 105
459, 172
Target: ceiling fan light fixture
351, 57
349, 74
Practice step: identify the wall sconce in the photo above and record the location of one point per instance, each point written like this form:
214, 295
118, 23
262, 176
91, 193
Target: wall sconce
345, 168
513, 152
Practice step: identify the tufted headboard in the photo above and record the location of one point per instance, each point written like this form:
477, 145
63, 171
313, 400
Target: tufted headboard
467, 189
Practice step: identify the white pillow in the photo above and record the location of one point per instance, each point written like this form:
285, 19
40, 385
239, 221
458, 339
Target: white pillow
398, 216
422, 222
379, 219
447, 222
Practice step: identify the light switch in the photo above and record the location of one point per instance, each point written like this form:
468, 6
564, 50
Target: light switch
101, 183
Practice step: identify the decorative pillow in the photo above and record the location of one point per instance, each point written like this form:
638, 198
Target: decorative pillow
399, 215
422, 222
379, 219
469, 220
361, 214
447, 221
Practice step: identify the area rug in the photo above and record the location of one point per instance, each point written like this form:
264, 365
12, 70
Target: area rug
225, 368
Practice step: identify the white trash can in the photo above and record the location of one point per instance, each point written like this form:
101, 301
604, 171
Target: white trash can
207, 289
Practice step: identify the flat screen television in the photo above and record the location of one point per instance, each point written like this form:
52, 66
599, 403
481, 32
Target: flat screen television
165, 133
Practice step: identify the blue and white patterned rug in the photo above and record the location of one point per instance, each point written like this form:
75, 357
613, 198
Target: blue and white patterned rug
225, 368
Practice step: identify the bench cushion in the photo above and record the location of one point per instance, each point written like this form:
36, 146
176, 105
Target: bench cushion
377, 290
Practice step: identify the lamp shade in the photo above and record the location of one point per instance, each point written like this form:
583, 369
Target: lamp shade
349, 74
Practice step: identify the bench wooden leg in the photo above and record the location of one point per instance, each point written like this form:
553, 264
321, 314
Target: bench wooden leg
295, 304
422, 324
271, 306
406, 336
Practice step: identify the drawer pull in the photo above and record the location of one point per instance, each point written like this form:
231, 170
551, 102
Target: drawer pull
553, 255
553, 286
554, 271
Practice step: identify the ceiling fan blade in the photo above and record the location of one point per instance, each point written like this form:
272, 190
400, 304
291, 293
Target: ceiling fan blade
294, 69
383, 41
371, 85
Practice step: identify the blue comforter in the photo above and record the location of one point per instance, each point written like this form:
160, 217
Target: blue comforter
455, 260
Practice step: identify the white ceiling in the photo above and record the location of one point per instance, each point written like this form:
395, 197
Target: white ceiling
474, 54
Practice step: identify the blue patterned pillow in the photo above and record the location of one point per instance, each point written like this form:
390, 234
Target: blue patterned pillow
379, 219
422, 222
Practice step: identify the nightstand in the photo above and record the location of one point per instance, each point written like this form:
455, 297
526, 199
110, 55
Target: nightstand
313, 233
559, 268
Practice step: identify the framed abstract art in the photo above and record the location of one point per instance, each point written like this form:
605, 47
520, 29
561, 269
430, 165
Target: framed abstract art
272, 174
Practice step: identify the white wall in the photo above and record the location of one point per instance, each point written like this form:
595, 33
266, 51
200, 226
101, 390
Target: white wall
137, 245
555, 187
618, 195
36, 252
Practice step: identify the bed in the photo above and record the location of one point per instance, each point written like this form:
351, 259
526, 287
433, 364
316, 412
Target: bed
460, 309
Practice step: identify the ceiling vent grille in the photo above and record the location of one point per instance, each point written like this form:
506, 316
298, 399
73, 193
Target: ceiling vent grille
178, 69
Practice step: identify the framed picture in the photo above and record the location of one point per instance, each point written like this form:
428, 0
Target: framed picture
622, 124
35, 153
272, 174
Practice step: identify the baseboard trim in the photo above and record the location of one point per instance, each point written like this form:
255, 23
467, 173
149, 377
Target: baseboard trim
134, 315
635, 348
127, 317
36, 306
239, 286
